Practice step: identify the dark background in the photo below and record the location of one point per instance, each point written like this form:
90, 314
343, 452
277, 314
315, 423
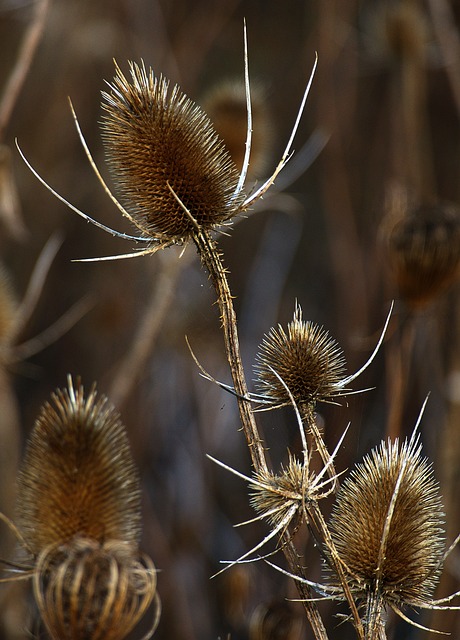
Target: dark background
386, 97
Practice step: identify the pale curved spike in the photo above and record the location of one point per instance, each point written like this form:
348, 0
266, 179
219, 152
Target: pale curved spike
297, 413
436, 604
321, 588
279, 527
266, 514
287, 152
332, 456
247, 153
415, 434
123, 256
451, 547
346, 381
91, 161
416, 624
235, 472
83, 215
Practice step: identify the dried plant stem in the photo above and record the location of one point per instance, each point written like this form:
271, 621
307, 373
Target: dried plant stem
18, 74
308, 418
211, 260
316, 518
399, 358
133, 363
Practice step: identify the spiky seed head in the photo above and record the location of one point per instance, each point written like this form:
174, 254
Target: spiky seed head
91, 591
424, 250
387, 525
306, 358
226, 105
78, 476
154, 135
276, 492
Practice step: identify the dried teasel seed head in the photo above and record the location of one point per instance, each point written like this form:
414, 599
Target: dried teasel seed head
387, 525
91, 591
397, 31
78, 476
226, 106
274, 493
8, 309
424, 251
275, 620
308, 361
159, 144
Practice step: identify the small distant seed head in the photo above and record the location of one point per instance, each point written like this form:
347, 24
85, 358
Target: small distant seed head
424, 251
405, 570
306, 358
78, 476
226, 106
154, 135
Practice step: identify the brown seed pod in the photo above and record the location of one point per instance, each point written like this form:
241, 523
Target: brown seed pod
162, 151
78, 476
424, 251
226, 106
88, 591
309, 362
387, 525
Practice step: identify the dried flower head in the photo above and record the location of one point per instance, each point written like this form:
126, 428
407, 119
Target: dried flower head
91, 591
387, 527
226, 106
78, 476
173, 172
305, 362
162, 150
424, 250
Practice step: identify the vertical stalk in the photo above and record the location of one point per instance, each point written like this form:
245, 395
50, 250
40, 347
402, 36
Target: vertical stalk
211, 259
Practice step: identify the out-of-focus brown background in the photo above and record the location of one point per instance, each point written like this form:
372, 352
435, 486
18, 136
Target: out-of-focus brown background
386, 98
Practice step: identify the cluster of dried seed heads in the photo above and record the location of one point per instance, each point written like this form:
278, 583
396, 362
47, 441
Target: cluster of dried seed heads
79, 517
387, 527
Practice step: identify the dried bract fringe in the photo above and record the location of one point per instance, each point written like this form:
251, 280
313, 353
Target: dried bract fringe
160, 145
78, 476
388, 528
424, 251
91, 591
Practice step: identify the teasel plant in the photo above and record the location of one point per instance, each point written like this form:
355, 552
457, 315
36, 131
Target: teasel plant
388, 531
178, 185
79, 522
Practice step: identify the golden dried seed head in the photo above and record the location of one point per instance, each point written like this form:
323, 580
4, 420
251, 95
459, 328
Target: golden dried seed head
275, 492
226, 106
306, 358
424, 250
398, 553
154, 136
88, 591
78, 476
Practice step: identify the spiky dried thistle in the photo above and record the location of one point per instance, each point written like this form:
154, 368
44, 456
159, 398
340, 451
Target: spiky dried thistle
78, 476
387, 526
191, 157
79, 517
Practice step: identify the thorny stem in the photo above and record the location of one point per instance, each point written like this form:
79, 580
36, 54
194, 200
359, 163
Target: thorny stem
314, 515
211, 260
308, 419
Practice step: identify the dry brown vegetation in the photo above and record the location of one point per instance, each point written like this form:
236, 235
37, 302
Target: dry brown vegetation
374, 218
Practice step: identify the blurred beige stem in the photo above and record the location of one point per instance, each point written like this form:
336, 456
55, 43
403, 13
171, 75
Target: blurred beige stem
21, 68
211, 260
133, 363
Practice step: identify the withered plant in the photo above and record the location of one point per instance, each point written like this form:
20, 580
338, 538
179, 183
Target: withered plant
177, 184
